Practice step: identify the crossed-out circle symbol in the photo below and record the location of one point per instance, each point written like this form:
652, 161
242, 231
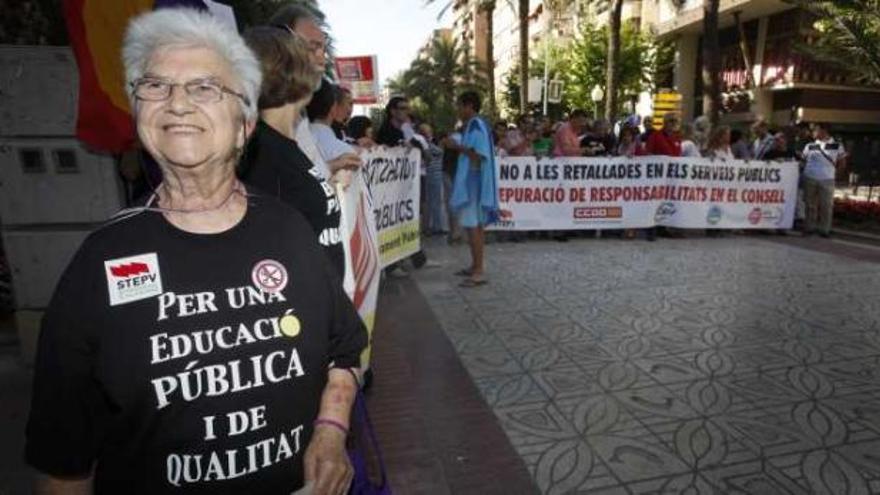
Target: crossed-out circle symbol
270, 276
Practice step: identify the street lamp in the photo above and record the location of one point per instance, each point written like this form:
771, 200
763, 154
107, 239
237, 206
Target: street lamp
596, 95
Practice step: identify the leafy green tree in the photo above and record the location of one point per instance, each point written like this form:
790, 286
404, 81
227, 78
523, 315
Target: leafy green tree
642, 64
847, 36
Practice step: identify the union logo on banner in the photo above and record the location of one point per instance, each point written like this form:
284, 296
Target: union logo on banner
365, 255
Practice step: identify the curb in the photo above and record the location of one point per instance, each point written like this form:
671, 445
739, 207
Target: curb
856, 233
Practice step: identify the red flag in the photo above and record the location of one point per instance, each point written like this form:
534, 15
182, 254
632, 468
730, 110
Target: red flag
96, 29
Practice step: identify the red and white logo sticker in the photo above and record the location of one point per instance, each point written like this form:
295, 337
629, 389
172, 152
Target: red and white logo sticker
133, 278
269, 276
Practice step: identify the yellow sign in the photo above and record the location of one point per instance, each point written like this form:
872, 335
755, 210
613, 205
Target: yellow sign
675, 97
665, 102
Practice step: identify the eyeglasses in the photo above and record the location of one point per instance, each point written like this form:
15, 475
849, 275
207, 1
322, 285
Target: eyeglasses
199, 91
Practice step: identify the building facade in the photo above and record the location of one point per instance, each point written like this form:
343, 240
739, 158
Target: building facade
550, 21
763, 74
470, 28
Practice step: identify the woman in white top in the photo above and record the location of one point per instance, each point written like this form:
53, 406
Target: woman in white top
719, 144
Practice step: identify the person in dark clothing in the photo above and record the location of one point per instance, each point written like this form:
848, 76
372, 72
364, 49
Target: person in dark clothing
274, 161
391, 133
738, 145
598, 141
210, 301
780, 149
397, 130
648, 124
342, 112
359, 131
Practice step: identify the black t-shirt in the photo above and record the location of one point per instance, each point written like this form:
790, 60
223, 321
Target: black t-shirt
777, 154
190, 363
277, 165
598, 145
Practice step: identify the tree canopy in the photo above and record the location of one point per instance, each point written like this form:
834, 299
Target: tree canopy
642, 64
848, 36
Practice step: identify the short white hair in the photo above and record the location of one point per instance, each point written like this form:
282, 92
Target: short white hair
184, 27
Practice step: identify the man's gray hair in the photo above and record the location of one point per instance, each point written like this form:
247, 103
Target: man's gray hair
183, 27
292, 13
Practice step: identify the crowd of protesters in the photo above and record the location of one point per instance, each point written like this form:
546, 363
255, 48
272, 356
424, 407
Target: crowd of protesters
819, 155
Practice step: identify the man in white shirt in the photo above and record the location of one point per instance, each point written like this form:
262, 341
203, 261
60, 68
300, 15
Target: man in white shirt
321, 112
823, 158
300, 21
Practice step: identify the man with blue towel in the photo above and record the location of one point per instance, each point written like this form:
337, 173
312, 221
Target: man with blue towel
475, 192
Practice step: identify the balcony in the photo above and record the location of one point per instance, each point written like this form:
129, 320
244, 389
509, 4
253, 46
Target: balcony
688, 19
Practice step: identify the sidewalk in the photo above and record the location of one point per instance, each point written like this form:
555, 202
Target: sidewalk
738, 365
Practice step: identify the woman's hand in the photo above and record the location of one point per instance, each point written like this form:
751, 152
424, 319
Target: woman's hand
327, 467
343, 177
348, 161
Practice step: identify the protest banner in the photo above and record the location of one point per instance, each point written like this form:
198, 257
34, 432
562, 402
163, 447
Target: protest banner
392, 176
361, 279
640, 192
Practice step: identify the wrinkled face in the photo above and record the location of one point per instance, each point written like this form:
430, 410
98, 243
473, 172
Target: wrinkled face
316, 41
179, 132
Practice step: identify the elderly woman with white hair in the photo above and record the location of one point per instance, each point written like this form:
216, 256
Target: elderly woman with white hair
199, 343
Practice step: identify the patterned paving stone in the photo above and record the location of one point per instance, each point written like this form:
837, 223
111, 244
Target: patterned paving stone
696, 366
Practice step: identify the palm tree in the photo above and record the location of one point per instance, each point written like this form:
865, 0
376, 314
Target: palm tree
432, 81
847, 36
711, 62
486, 8
523, 13
612, 75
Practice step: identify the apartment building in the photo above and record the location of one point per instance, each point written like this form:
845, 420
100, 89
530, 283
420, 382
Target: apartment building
763, 74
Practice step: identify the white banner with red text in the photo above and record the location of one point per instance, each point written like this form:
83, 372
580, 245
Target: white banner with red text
392, 176
640, 192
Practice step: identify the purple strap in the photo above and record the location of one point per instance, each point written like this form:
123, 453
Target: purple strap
361, 483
